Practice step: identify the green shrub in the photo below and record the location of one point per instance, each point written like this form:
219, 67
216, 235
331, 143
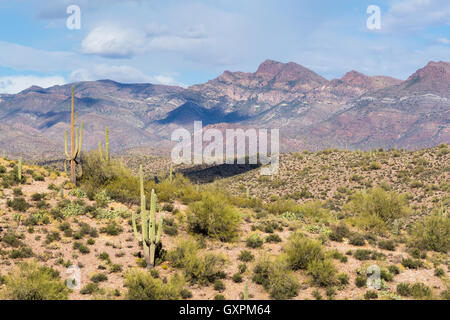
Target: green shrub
142, 286
99, 277
214, 216
21, 253
357, 240
18, 204
219, 285
387, 245
376, 209
246, 256
237, 277
254, 241
412, 263
273, 238
90, 288
300, 251
360, 281
323, 272
31, 281
433, 233
417, 290
343, 278
369, 295
339, 232
276, 278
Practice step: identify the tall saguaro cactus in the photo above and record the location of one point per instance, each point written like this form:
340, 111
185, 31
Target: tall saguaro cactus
76, 138
150, 236
19, 170
100, 149
107, 143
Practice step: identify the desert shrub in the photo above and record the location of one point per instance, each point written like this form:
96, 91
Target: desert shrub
11, 239
323, 272
52, 236
254, 241
170, 227
219, 285
21, 253
338, 232
300, 251
214, 216
364, 254
90, 288
439, 272
142, 286
246, 256
184, 250
31, 281
273, 238
343, 278
393, 269
201, 268
102, 199
357, 240
18, 204
376, 209
237, 278
412, 263
99, 277
276, 278
360, 281
204, 268
112, 229
433, 233
387, 245
370, 294
417, 290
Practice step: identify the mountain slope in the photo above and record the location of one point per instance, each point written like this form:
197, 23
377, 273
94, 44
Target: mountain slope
312, 112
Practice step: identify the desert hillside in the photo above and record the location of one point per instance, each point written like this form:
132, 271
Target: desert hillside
320, 229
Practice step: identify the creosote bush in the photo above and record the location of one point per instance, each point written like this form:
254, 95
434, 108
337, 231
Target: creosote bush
31, 281
142, 286
376, 209
276, 278
214, 216
433, 233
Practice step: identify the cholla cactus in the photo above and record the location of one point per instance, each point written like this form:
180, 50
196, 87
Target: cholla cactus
150, 236
76, 138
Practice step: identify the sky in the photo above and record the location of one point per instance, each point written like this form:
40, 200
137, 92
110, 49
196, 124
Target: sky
184, 42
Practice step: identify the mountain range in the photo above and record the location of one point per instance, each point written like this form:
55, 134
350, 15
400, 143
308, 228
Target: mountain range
354, 112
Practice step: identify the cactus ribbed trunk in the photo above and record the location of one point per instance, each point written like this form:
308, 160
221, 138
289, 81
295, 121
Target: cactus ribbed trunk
150, 237
76, 138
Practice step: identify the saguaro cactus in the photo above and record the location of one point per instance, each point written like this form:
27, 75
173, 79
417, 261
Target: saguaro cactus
107, 143
150, 236
171, 173
19, 170
100, 148
76, 138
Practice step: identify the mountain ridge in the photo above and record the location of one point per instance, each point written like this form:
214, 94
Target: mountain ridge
356, 111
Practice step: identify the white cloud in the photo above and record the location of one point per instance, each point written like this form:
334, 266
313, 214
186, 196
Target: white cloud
114, 42
120, 73
15, 84
414, 15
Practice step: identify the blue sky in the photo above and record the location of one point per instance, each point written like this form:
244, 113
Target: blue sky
187, 42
